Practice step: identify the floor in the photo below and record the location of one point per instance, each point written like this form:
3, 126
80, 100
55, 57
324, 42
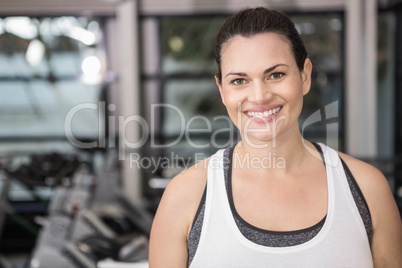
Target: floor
15, 260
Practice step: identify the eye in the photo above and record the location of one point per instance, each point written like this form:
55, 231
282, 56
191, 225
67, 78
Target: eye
238, 81
277, 75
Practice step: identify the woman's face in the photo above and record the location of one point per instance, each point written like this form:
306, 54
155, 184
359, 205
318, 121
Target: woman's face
262, 87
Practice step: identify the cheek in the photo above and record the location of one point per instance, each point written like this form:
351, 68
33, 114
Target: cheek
293, 91
231, 101
295, 98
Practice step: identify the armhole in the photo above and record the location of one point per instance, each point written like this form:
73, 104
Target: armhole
196, 228
357, 194
360, 201
200, 206
318, 147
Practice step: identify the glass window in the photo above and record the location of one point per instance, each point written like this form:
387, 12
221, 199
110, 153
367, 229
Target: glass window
48, 66
188, 51
386, 84
193, 103
185, 81
187, 44
322, 117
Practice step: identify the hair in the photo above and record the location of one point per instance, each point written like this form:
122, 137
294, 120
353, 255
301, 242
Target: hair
252, 21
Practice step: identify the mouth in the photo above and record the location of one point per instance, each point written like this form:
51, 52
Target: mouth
264, 114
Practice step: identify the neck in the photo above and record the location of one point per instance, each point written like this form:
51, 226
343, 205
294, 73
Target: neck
282, 154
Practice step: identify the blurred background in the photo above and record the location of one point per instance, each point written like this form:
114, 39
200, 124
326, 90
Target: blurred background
93, 93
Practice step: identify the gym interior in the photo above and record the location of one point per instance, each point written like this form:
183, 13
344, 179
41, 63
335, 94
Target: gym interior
103, 102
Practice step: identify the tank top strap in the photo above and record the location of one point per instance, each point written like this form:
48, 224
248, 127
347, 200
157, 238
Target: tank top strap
342, 241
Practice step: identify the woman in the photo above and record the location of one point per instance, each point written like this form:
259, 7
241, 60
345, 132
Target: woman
317, 208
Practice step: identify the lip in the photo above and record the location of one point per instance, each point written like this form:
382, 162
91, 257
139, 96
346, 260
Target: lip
262, 108
264, 120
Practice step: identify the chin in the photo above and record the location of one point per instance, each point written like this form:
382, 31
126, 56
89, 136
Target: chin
258, 139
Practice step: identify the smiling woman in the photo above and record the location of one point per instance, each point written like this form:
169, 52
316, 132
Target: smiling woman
319, 208
263, 79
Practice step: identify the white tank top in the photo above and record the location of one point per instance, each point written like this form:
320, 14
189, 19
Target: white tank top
342, 242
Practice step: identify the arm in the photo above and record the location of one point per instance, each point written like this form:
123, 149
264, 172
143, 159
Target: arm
174, 218
386, 245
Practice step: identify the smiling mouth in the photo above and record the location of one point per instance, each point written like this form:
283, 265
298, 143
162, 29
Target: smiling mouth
264, 114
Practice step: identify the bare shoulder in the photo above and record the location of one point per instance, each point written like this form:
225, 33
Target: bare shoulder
191, 178
372, 182
183, 194
174, 217
367, 176
387, 227
189, 185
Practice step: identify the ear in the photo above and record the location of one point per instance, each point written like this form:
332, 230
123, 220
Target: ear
306, 76
219, 84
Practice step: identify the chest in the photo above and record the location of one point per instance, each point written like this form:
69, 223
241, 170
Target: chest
281, 204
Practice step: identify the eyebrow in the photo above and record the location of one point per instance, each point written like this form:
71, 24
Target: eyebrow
270, 69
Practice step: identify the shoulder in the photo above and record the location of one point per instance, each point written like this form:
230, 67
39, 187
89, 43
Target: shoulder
366, 175
387, 226
372, 182
183, 194
190, 183
174, 217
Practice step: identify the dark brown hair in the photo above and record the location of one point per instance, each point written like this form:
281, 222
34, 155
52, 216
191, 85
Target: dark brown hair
252, 21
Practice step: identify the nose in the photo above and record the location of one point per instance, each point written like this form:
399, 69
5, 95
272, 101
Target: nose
260, 93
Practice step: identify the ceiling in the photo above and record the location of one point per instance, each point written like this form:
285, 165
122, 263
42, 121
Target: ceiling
57, 7
108, 7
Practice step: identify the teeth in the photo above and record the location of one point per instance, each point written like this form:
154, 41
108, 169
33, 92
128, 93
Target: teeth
264, 114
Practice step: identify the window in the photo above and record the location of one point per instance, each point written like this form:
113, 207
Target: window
182, 77
48, 66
